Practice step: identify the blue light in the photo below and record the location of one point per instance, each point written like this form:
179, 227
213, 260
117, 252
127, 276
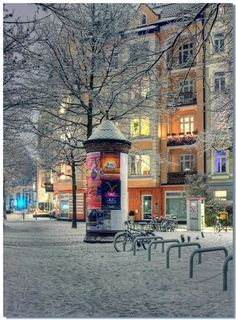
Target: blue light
20, 203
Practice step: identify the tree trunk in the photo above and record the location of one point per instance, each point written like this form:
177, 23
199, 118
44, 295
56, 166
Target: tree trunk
74, 215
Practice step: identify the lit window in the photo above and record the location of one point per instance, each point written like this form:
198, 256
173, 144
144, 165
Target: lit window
186, 54
143, 19
220, 162
219, 42
221, 9
221, 195
186, 162
140, 165
140, 127
186, 124
219, 82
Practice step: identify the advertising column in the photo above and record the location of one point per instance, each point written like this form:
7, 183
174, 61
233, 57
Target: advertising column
107, 186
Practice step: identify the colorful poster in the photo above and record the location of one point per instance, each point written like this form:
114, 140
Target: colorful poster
98, 220
111, 194
110, 164
94, 198
93, 165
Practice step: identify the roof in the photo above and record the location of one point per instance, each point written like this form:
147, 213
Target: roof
176, 10
107, 130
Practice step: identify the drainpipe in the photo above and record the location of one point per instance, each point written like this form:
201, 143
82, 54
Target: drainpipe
204, 89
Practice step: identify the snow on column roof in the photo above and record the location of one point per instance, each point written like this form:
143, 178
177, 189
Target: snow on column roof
107, 130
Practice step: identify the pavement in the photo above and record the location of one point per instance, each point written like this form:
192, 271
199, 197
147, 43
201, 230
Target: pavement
18, 216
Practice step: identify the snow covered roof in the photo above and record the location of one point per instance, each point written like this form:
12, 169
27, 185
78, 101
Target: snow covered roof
107, 130
176, 10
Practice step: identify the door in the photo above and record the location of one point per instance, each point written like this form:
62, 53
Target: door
147, 207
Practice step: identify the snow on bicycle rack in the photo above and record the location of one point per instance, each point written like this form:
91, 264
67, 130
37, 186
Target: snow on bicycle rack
159, 241
179, 246
209, 249
225, 270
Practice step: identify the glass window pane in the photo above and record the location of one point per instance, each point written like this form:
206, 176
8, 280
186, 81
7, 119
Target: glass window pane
135, 127
145, 127
145, 165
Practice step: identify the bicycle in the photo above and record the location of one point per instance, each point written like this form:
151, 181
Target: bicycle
222, 222
164, 224
123, 240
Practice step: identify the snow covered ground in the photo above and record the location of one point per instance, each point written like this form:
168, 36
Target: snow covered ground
50, 272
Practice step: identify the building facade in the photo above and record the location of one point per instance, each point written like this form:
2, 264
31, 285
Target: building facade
165, 130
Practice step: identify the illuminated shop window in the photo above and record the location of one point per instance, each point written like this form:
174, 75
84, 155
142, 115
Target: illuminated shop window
220, 195
140, 127
186, 124
140, 165
220, 162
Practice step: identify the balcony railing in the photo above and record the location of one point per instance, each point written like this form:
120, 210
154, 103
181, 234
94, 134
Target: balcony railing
187, 99
181, 139
178, 177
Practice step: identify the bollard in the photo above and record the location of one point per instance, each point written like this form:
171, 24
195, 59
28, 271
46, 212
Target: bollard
143, 238
159, 241
225, 270
179, 247
204, 250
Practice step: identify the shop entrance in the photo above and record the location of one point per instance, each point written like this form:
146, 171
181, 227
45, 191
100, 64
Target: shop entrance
146, 207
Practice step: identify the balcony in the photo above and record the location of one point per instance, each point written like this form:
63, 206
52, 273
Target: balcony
178, 177
181, 139
187, 99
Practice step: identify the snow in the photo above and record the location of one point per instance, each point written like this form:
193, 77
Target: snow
49, 272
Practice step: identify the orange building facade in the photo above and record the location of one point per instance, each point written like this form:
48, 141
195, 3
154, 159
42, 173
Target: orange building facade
164, 148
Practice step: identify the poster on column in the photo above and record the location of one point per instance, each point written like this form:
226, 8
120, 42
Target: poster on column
111, 194
94, 183
98, 220
110, 166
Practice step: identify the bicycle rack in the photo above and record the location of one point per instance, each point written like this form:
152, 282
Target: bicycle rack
225, 270
220, 248
159, 241
143, 238
179, 246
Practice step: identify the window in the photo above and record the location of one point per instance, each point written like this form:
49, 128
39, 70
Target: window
143, 19
140, 165
221, 195
176, 204
219, 42
186, 124
140, 127
186, 90
140, 89
147, 206
139, 52
219, 162
114, 61
133, 52
186, 162
186, 54
219, 81
221, 9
